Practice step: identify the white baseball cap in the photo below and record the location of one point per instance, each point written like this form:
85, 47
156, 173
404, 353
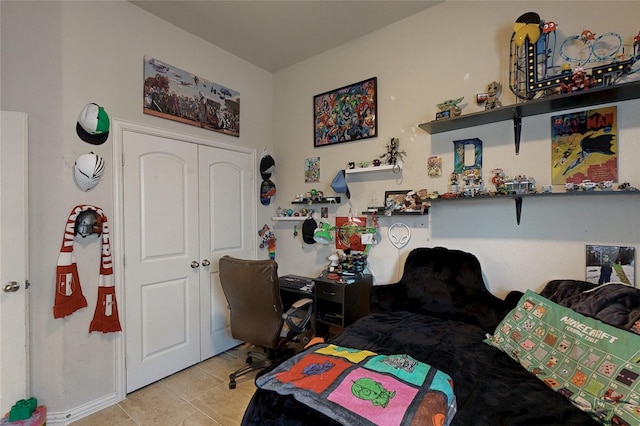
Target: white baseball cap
93, 124
88, 170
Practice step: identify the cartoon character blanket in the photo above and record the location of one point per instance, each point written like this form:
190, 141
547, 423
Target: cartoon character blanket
362, 387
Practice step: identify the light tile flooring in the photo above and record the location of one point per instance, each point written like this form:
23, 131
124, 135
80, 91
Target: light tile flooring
199, 395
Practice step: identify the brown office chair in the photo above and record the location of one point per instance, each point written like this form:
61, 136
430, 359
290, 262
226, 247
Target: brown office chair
253, 294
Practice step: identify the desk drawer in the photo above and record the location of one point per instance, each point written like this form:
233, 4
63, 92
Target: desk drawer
330, 291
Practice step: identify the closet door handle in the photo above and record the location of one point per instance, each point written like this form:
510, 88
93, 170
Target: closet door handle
205, 262
194, 264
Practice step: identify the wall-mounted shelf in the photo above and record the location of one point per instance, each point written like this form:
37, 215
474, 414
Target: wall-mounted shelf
589, 97
323, 200
519, 197
370, 169
289, 218
380, 212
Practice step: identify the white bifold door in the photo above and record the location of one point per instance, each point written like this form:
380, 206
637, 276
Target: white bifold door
185, 206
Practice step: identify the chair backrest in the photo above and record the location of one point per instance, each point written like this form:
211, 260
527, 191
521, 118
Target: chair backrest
253, 294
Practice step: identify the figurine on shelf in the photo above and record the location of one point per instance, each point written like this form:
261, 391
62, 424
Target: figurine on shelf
453, 179
490, 97
579, 81
449, 108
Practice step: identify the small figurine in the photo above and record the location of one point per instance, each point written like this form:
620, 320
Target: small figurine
490, 98
450, 107
579, 81
453, 179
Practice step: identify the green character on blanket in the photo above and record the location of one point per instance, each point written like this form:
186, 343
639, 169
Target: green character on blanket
369, 390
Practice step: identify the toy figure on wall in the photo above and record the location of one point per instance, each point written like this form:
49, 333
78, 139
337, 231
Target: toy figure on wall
393, 156
268, 240
346, 114
178, 95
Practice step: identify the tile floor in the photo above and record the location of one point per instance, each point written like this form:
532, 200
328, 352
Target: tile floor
199, 395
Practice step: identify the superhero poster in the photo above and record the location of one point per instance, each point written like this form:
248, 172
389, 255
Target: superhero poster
584, 146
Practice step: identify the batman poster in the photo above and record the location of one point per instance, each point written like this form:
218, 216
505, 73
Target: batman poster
584, 146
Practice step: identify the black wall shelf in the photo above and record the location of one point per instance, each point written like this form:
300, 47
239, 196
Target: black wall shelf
323, 200
590, 97
518, 198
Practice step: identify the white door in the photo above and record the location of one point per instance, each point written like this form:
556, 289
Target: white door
226, 227
14, 293
161, 241
185, 205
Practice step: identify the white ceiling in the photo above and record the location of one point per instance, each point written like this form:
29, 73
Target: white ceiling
276, 34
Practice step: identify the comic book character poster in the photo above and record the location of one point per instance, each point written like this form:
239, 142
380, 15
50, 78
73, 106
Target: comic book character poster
584, 146
346, 114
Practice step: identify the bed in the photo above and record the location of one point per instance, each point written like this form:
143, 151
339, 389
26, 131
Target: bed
441, 314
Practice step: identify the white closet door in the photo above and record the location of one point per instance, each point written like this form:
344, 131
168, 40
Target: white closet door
161, 242
226, 227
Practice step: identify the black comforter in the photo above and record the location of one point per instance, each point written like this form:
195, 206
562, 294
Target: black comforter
440, 313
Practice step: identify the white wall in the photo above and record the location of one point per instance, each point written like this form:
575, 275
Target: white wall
56, 57
449, 51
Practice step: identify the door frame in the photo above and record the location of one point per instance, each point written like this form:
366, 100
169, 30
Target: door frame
118, 127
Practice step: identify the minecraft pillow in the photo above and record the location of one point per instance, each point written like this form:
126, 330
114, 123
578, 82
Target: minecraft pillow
593, 364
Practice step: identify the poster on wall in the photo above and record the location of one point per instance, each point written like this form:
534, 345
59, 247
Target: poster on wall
348, 232
346, 114
606, 264
178, 95
312, 170
584, 146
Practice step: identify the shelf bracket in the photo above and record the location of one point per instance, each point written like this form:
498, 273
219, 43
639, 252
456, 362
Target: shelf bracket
517, 127
518, 208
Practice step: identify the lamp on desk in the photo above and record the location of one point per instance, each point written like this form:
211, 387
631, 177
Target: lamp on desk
322, 234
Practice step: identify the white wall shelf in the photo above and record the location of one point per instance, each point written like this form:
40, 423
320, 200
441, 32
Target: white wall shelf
369, 169
289, 218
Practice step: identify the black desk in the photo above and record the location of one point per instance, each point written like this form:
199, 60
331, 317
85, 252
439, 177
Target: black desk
335, 305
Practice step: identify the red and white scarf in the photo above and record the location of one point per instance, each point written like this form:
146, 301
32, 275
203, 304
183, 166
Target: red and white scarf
69, 297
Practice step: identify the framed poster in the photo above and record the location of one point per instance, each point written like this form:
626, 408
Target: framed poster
346, 114
584, 146
178, 95
606, 264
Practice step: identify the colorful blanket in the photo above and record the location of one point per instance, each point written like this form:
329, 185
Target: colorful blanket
362, 387
595, 365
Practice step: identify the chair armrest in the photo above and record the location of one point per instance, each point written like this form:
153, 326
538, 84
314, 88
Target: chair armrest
298, 315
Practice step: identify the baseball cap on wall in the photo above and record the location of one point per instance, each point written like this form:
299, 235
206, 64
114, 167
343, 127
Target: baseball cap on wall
93, 124
267, 166
339, 184
308, 227
88, 170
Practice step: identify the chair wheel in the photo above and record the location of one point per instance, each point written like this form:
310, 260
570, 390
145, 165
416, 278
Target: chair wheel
232, 385
249, 360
